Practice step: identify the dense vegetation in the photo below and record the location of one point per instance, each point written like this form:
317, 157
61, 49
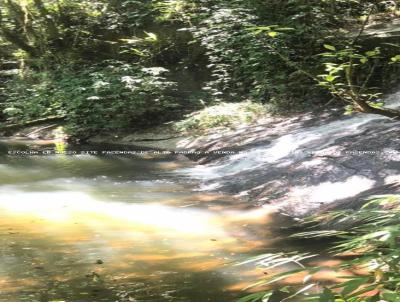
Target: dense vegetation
367, 245
119, 65
126, 64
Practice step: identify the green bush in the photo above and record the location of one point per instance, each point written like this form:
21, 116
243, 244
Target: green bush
371, 234
113, 96
222, 115
214, 49
265, 68
242, 64
31, 97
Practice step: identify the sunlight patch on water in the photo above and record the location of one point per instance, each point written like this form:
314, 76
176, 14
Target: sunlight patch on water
62, 207
61, 215
135, 241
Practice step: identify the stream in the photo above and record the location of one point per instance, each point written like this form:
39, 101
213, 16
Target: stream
80, 228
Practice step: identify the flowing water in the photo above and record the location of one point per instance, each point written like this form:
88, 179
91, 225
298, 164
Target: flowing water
294, 145
94, 228
80, 228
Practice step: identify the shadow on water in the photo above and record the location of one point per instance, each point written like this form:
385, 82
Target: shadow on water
87, 228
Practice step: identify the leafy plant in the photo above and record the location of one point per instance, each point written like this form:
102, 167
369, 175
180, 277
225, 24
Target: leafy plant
371, 235
349, 70
216, 51
222, 115
113, 95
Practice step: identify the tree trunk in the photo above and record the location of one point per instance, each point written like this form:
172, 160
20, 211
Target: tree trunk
366, 108
14, 37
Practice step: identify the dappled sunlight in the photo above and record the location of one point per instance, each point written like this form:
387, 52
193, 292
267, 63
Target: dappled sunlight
80, 223
240, 286
392, 179
62, 207
250, 278
325, 276
204, 265
326, 262
133, 240
329, 191
162, 257
12, 285
261, 215
286, 148
68, 207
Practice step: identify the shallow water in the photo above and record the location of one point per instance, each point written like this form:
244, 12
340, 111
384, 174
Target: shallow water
122, 228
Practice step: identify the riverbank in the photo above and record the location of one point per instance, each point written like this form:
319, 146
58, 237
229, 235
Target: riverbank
300, 165
306, 164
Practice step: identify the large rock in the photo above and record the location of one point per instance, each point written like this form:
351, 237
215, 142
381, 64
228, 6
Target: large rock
303, 164
384, 30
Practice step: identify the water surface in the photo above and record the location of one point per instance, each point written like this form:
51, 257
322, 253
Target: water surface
121, 228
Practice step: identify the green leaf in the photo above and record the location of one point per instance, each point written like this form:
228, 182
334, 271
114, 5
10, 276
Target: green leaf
302, 290
363, 290
285, 28
391, 296
262, 297
327, 296
372, 53
395, 59
330, 47
352, 285
262, 28
138, 52
330, 78
151, 36
272, 34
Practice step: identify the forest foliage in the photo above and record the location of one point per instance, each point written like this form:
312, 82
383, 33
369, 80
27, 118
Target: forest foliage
124, 64
366, 249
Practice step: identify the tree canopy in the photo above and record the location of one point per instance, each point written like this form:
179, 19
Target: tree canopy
119, 64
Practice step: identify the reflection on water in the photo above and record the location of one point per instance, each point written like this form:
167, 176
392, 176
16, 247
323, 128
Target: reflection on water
85, 228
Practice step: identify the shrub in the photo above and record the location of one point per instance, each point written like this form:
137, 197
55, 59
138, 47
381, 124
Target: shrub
31, 97
371, 234
242, 64
222, 115
111, 97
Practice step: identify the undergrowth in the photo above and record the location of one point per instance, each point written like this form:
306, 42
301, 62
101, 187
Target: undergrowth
368, 242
